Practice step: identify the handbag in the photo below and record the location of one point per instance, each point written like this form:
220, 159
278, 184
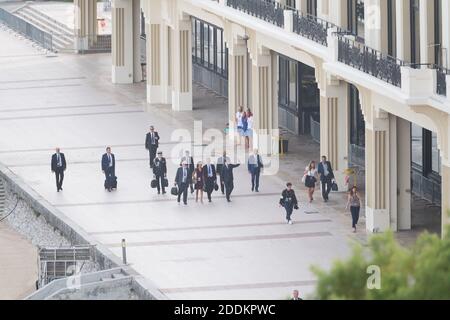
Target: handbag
154, 184
334, 186
174, 191
216, 186
165, 183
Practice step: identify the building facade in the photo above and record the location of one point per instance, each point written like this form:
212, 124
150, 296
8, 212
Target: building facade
370, 76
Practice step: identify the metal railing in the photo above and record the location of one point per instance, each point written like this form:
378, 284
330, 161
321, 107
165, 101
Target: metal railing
311, 27
28, 30
370, 61
266, 10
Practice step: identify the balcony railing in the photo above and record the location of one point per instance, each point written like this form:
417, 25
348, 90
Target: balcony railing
311, 27
370, 61
266, 10
441, 88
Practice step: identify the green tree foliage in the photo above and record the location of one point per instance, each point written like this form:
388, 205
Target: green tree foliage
419, 272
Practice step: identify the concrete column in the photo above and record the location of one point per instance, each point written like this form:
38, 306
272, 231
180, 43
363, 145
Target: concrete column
402, 192
376, 24
335, 128
301, 5
403, 28
86, 26
263, 102
426, 32
182, 65
137, 68
446, 33
122, 41
339, 13
378, 173
237, 75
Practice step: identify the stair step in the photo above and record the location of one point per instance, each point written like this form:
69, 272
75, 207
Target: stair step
118, 275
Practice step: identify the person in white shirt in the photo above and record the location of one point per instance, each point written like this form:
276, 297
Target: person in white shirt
239, 123
248, 127
310, 178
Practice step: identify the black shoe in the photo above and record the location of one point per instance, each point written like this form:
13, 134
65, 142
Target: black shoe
185, 203
257, 190
159, 192
57, 190
164, 192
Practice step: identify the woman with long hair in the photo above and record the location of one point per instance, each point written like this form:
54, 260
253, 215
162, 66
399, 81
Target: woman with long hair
354, 202
248, 127
198, 179
310, 178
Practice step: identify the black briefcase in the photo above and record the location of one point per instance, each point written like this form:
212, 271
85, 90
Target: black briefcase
165, 183
174, 191
154, 184
216, 187
334, 186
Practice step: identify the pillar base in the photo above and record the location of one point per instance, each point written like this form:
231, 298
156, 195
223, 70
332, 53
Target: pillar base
377, 220
121, 75
81, 44
182, 101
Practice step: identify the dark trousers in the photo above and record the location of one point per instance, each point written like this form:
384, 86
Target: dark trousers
229, 186
109, 176
355, 215
326, 187
209, 187
59, 174
289, 209
222, 185
159, 180
152, 154
255, 178
183, 190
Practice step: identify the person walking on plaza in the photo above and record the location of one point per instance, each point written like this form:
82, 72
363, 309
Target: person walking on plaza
228, 179
152, 144
310, 179
160, 172
354, 202
220, 163
325, 170
288, 201
255, 166
182, 180
109, 169
210, 177
58, 165
199, 180
190, 162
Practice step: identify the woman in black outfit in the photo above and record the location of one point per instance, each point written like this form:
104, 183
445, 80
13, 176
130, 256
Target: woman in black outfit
199, 181
289, 201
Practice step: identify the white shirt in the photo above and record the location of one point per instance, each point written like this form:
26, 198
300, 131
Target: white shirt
250, 122
239, 119
58, 160
110, 160
311, 173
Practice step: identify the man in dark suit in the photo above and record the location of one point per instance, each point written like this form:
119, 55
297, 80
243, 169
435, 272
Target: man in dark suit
152, 144
254, 168
228, 179
295, 296
326, 173
210, 177
190, 163
109, 168
220, 161
58, 165
160, 171
183, 179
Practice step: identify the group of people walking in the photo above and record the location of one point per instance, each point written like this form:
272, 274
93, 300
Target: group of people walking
211, 177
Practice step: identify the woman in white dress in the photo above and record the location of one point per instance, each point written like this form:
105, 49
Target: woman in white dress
310, 178
248, 127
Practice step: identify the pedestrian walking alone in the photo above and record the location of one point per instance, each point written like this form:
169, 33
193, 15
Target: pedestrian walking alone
288, 201
183, 179
255, 165
199, 181
160, 172
109, 169
354, 202
310, 179
152, 144
210, 178
326, 173
58, 165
